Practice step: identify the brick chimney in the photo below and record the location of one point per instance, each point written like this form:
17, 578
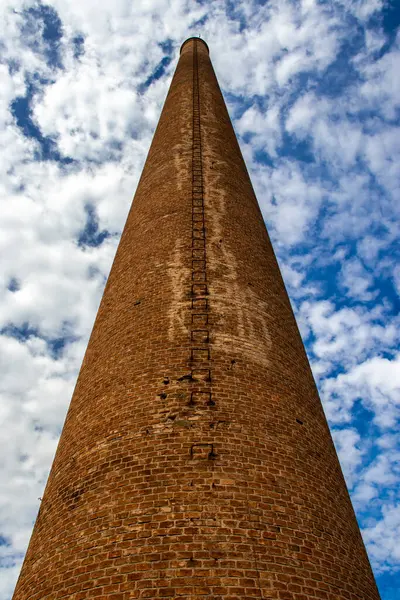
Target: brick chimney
195, 460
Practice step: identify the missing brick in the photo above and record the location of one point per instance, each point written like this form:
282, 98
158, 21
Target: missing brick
186, 378
217, 424
74, 498
184, 423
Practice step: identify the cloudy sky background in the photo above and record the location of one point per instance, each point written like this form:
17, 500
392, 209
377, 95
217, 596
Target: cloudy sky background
313, 89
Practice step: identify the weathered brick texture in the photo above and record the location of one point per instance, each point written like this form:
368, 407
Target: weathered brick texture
195, 460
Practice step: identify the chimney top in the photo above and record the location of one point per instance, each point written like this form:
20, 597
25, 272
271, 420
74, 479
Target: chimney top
194, 38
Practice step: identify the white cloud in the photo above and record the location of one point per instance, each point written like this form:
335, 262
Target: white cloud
34, 394
289, 202
347, 443
396, 278
336, 331
376, 382
357, 281
264, 126
368, 249
381, 88
382, 538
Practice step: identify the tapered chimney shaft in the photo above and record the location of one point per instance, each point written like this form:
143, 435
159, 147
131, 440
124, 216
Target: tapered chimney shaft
195, 460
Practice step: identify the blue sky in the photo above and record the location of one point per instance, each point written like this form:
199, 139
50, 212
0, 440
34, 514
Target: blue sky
314, 95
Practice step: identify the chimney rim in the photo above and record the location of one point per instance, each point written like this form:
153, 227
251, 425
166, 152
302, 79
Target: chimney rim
194, 37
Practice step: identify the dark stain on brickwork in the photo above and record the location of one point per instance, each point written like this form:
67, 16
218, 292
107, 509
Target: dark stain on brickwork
188, 378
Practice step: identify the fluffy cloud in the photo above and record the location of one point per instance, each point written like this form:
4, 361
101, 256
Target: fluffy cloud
382, 538
347, 442
376, 382
333, 331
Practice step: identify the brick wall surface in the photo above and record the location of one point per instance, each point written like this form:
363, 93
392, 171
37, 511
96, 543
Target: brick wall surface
195, 460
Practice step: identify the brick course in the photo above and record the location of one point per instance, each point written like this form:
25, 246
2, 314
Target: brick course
195, 459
